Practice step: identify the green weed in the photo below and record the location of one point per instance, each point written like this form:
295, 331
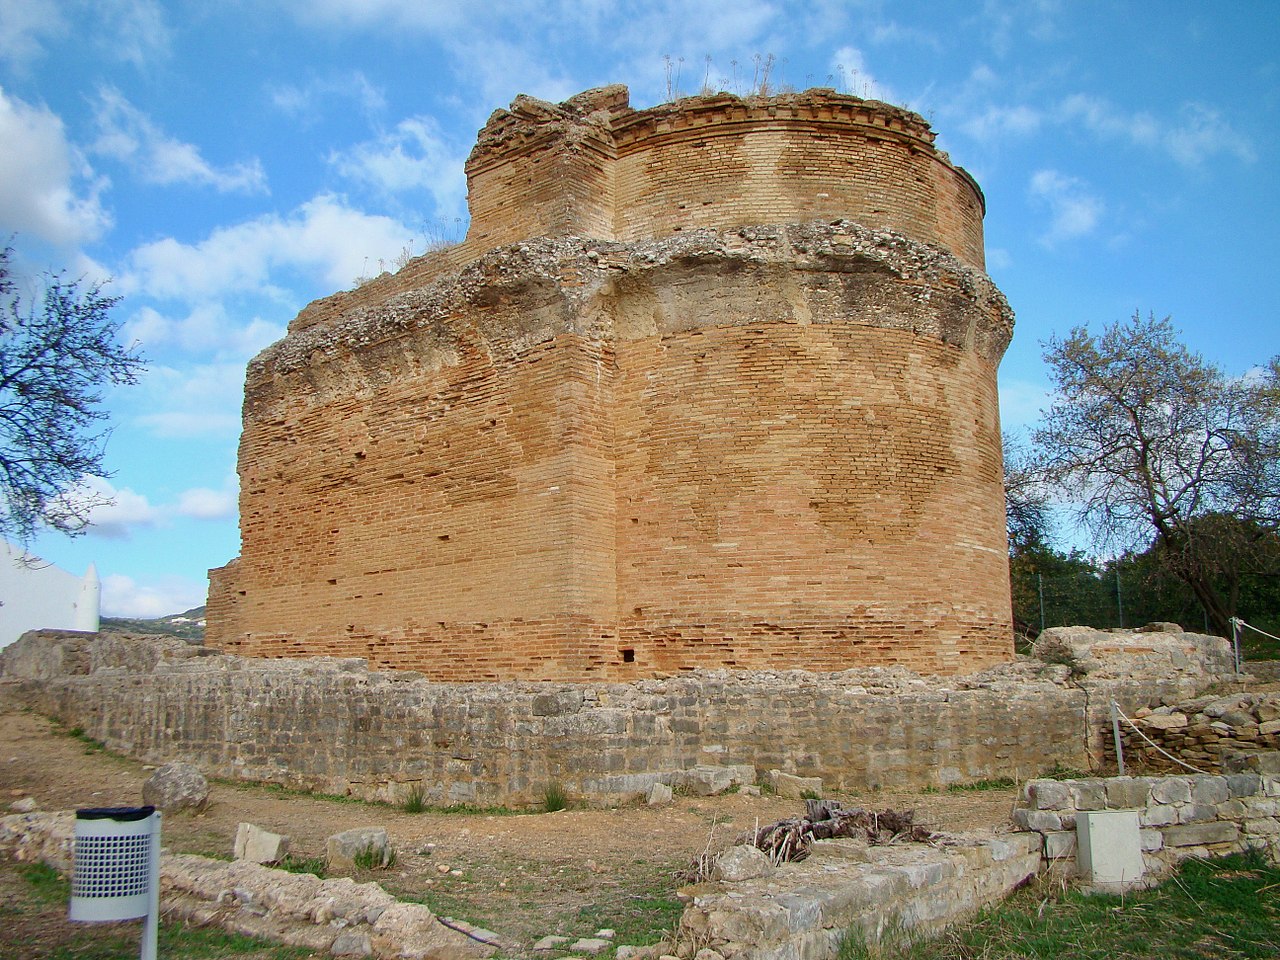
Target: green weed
416, 801
554, 798
997, 783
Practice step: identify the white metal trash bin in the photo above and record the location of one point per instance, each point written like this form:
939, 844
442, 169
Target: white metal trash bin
115, 872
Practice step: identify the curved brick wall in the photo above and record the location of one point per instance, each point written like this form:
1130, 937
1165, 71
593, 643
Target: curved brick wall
758, 448
594, 167
722, 162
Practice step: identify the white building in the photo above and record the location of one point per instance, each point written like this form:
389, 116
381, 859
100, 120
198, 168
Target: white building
35, 595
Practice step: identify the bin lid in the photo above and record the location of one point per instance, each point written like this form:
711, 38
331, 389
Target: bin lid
119, 814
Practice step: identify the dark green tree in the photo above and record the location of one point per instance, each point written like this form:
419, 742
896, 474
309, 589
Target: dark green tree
56, 359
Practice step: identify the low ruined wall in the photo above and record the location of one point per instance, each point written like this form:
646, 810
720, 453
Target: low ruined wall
334, 726
1203, 733
804, 910
1178, 817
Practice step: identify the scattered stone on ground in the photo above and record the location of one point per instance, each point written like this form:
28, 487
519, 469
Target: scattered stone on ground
176, 786
342, 849
258, 845
790, 787
659, 794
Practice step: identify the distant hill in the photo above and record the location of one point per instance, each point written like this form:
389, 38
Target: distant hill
188, 625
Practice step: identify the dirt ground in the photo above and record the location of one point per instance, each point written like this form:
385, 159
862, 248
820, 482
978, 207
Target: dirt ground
522, 875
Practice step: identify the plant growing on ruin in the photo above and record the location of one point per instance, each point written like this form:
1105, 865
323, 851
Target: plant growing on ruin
56, 361
416, 801
1149, 439
554, 797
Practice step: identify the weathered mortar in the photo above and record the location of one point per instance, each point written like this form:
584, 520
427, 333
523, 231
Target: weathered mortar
333, 725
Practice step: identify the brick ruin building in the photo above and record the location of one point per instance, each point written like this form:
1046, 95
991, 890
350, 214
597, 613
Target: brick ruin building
707, 385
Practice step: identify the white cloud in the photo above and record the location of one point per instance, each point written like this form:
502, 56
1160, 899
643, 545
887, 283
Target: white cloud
1007, 21
1197, 135
309, 101
116, 513
328, 240
198, 401
207, 329
202, 503
113, 513
1073, 211
995, 122
125, 597
414, 15
412, 157
853, 76
129, 135
46, 189
137, 29
24, 25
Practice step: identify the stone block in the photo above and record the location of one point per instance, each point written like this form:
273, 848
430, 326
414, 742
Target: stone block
1126, 793
1264, 826
1152, 840
1231, 810
1198, 834
590, 946
1088, 794
1171, 790
658, 795
341, 849
176, 786
1038, 820
706, 780
1197, 813
1048, 795
1060, 844
259, 846
791, 787
1209, 790
742, 862
1243, 784
1159, 815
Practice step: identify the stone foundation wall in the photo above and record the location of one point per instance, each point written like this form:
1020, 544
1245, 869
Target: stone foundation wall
332, 725
1179, 817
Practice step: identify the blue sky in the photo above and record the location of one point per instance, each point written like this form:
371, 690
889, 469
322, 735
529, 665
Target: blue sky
226, 163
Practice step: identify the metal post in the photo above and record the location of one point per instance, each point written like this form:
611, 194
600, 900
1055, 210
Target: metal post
151, 925
1119, 599
1235, 641
1115, 732
1040, 581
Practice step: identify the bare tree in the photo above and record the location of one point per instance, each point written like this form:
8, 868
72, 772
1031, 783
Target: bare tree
55, 362
1148, 438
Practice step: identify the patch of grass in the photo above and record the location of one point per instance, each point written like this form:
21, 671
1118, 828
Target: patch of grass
643, 912
46, 884
554, 798
43, 903
313, 865
416, 801
975, 786
930, 789
1060, 771
810, 795
1223, 909
375, 858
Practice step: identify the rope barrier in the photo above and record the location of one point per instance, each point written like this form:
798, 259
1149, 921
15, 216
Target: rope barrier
1157, 746
1253, 628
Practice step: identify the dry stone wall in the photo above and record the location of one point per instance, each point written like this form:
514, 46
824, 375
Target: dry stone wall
333, 725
